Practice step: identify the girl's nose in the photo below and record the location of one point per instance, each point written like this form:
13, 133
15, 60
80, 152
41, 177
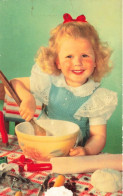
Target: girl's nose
77, 61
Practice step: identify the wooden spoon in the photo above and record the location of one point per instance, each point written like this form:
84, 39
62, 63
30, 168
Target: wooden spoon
37, 129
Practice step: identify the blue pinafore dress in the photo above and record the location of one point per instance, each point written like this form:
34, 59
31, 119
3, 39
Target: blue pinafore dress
63, 104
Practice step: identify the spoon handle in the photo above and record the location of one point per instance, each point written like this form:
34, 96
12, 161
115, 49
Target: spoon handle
38, 130
10, 88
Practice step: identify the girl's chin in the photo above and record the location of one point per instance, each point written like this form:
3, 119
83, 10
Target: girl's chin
76, 80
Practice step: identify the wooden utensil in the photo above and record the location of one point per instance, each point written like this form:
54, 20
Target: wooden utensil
37, 129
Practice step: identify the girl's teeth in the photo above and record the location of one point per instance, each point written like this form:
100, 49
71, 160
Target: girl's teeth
78, 71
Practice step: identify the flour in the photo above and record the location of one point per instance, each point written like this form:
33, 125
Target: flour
107, 180
58, 191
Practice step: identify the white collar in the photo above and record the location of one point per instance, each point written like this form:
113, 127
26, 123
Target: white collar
82, 91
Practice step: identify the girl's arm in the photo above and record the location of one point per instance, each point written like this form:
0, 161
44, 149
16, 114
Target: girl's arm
28, 105
95, 143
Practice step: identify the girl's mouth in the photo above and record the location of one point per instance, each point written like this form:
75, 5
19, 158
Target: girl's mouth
78, 72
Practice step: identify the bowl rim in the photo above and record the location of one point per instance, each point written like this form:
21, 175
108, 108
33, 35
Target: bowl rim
48, 138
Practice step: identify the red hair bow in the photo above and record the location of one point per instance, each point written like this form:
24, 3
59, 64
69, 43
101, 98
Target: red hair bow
68, 18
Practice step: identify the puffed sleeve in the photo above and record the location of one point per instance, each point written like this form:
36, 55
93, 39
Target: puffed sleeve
99, 107
40, 84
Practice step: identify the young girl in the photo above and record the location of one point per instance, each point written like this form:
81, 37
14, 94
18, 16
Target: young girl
66, 78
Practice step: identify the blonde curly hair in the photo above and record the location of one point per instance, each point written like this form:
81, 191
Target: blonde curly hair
46, 56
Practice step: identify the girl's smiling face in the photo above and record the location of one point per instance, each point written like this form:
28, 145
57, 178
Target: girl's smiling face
76, 60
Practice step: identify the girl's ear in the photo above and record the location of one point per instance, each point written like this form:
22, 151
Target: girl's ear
95, 65
58, 64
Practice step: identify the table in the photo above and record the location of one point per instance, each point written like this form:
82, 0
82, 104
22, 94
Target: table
13, 151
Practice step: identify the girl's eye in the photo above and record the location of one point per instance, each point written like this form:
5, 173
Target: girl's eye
84, 55
69, 56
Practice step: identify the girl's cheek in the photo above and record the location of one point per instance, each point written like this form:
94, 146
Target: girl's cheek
89, 61
67, 62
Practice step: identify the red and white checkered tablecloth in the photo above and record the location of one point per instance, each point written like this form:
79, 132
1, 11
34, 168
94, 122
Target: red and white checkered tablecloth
82, 180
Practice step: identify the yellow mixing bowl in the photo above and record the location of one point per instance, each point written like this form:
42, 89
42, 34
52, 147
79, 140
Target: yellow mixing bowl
61, 137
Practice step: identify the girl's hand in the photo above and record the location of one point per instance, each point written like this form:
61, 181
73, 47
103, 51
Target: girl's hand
78, 151
27, 108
